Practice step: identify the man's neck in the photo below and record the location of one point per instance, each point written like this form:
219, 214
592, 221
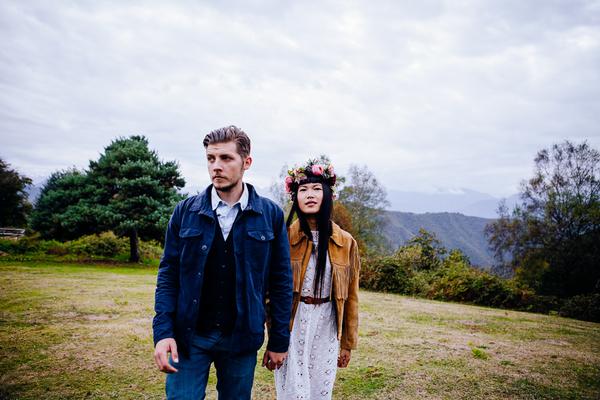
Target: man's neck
232, 196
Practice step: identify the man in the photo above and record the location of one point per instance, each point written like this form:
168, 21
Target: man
225, 250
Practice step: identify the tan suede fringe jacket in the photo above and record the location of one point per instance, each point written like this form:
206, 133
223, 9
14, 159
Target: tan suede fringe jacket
345, 268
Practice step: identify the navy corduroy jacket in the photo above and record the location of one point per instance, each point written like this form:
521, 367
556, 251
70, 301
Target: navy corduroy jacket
262, 268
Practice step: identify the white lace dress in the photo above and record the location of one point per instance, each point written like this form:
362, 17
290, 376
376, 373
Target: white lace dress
310, 368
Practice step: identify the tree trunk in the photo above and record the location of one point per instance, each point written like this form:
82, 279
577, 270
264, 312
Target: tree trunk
134, 250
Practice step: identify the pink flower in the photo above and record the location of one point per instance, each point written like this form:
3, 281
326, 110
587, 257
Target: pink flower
317, 170
288, 183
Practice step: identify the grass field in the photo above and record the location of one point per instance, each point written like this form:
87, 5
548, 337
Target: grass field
84, 332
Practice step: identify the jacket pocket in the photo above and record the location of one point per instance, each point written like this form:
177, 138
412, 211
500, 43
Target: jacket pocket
341, 280
191, 247
190, 233
261, 236
258, 248
339, 255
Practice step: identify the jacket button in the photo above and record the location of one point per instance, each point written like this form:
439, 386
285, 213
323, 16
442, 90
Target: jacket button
189, 329
195, 301
262, 238
199, 273
204, 247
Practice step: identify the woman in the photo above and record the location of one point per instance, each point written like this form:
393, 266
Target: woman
325, 266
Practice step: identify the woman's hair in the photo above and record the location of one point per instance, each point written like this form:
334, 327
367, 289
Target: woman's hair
323, 227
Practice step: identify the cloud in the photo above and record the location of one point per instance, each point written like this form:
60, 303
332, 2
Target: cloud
430, 94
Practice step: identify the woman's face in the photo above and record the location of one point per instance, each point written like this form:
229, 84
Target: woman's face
310, 197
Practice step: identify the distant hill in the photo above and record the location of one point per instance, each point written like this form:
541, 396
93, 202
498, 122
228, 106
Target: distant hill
454, 230
463, 200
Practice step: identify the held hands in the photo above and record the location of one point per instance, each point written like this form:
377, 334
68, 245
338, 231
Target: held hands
163, 347
343, 358
272, 360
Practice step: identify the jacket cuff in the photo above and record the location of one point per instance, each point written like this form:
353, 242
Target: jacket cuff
278, 345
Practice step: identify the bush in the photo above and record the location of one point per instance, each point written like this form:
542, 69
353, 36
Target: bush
585, 307
26, 244
53, 247
386, 274
459, 281
419, 284
106, 244
151, 250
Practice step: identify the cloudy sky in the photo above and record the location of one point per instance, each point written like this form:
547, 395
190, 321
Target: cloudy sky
430, 95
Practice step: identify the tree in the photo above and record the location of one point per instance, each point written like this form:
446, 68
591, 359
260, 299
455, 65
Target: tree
553, 236
431, 250
138, 190
66, 208
365, 199
128, 190
14, 205
277, 190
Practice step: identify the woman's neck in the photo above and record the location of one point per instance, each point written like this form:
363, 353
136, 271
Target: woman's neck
312, 223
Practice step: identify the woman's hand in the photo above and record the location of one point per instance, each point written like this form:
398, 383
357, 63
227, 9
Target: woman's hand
344, 358
272, 360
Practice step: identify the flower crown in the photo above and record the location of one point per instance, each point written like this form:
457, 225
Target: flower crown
312, 168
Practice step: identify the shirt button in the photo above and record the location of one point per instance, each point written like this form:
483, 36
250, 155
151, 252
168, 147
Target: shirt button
189, 329
223, 266
220, 297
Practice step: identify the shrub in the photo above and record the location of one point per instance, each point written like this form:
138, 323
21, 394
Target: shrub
419, 284
26, 244
106, 244
103, 246
386, 274
151, 250
54, 247
585, 307
458, 281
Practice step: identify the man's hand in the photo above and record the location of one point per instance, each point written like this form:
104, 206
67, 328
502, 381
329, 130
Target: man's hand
343, 358
273, 360
163, 347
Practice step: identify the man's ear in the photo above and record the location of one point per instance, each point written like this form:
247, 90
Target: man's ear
247, 162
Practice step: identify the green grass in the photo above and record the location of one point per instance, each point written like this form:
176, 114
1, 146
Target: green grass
84, 331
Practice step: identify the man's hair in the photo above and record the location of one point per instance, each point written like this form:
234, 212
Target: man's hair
230, 134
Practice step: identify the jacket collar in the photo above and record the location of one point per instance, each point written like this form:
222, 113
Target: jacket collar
203, 204
296, 234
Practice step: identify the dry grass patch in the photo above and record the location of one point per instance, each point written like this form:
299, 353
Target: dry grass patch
81, 331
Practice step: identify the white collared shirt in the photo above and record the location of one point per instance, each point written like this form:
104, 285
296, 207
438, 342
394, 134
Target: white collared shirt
226, 214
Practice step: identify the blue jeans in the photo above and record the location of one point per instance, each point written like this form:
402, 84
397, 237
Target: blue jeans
235, 372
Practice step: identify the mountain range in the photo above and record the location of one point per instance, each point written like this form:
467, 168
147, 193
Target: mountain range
454, 230
457, 217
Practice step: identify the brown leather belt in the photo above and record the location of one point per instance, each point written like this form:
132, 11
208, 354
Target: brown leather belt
314, 300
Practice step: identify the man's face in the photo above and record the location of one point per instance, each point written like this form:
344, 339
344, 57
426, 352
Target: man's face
225, 166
